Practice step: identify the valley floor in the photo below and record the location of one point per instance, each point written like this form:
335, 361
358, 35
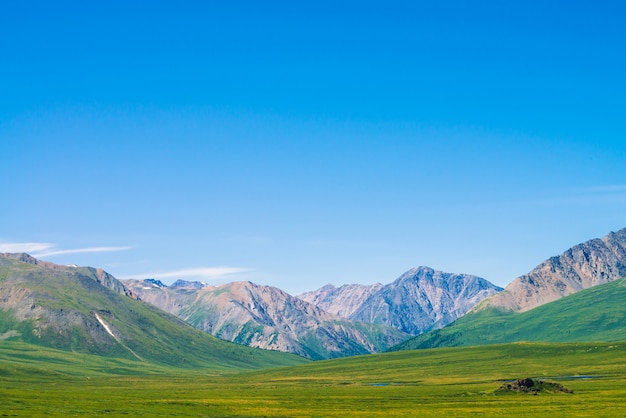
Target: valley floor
438, 382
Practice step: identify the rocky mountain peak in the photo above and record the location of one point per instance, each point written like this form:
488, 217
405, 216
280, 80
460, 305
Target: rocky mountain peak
28, 259
188, 284
96, 274
155, 283
420, 299
343, 300
23, 257
585, 265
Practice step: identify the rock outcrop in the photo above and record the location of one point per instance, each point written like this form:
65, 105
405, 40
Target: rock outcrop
532, 387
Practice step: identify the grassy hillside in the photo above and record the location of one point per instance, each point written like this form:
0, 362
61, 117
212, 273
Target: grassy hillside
435, 382
595, 314
69, 309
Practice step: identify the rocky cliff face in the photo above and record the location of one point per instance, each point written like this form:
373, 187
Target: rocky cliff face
419, 300
342, 301
585, 265
267, 317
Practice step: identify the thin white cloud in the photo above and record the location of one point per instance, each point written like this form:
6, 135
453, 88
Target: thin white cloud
24, 247
199, 272
46, 249
82, 250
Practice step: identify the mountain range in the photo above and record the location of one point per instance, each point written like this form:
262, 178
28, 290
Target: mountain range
594, 314
87, 310
266, 317
577, 296
327, 323
419, 300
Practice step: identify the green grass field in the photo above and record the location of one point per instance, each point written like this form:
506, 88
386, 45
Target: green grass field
434, 382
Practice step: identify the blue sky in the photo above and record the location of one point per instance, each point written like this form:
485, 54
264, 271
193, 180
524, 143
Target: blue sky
302, 144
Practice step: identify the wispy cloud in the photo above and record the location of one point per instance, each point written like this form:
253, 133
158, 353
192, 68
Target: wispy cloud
82, 250
207, 273
45, 249
24, 247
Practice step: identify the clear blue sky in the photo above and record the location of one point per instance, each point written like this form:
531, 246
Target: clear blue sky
302, 143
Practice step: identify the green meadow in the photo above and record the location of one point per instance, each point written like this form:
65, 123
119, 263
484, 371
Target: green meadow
434, 382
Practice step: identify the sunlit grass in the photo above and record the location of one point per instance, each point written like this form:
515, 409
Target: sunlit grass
438, 382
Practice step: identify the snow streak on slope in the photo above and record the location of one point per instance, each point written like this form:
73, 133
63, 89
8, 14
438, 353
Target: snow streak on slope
115, 337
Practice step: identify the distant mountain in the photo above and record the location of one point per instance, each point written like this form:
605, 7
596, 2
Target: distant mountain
155, 282
420, 300
87, 310
585, 265
497, 319
343, 301
594, 314
185, 283
267, 317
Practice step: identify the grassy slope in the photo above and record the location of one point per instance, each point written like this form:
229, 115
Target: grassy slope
435, 382
595, 314
156, 337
